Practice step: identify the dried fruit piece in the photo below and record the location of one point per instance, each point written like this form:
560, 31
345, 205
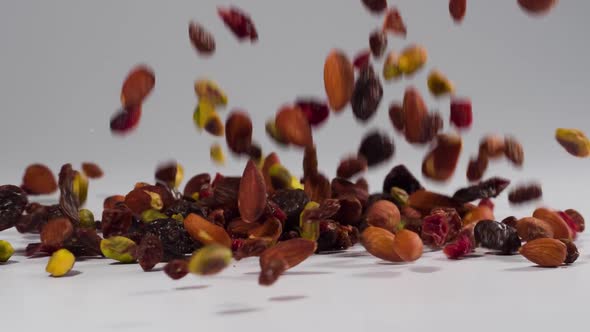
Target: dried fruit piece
375, 6
206, 232
209, 260
273, 132
201, 39
463, 245
498, 236
238, 132
149, 252
119, 248
111, 201
13, 201
338, 80
440, 226
545, 252
310, 161
440, 163
317, 187
476, 168
283, 256
401, 177
196, 183
461, 114
6, 251
86, 218
530, 228
408, 245
513, 151
169, 174
92, 170
439, 84
293, 125
314, 110
271, 229
573, 141
415, 113
478, 214
537, 7
577, 219
492, 146
138, 84
56, 232
525, 193
383, 214
560, 228
60, 263
367, 94
217, 155
412, 59
379, 243
390, 67
361, 59
176, 269
457, 8
572, 251
210, 92
39, 180
239, 23
351, 166
425, 201
394, 23
432, 124
490, 188
378, 43
376, 147
123, 122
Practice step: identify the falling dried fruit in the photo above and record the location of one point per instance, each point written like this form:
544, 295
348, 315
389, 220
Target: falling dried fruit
60, 263
376, 147
412, 59
440, 163
461, 115
201, 39
457, 8
293, 125
238, 132
573, 141
362, 59
39, 180
394, 23
351, 166
314, 110
415, 113
513, 151
92, 170
211, 92
149, 252
490, 188
239, 23
123, 122
375, 6
378, 43
525, 193
217, 155
252, 195
537, 7
367, 94
138, 84
338, 80
439, 84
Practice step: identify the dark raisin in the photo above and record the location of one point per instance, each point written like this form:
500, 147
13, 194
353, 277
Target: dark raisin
175, 239
315, 111
239, 23
431, 125
196, 183
401, 177
68, 201
572, 251
225, 192
350, 210
124, 121
375, 6
510, 221
485, 189
201, 39
497, 236
378, 43
526, 193
185, 207
176, 269
84, 242
116, 221
477, 167
291, 202
13, 201
149, 252
341, 187
367, 94
328, 235
376, 147
166, 173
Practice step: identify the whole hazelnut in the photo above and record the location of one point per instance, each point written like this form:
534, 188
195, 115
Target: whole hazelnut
408, 245
384, 214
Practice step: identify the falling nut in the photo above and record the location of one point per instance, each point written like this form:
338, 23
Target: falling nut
440, 162
338, 80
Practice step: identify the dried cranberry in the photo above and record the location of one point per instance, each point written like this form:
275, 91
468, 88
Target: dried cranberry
361, 59
461, 115
176, 269
486, 202
376, 147
116, 221
401, 177
440, 227
13, 201
315, 111
367, 94
485, 189
125, 121
149, 252
375, 6
239, 23
378, 43
461, 247
570, 222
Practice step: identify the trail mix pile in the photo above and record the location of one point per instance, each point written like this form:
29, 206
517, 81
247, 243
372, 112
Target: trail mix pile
283, 219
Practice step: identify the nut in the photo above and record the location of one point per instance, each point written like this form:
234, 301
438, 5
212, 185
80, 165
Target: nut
209, 260
137, 86
478, 214
415, 112
119, 248
271, 229
412, 59
439, 84
537, 7
492, 146
425, 201
209, 91
384, 214
545, 252
39, 180
379, 243
238, 132
6, 251
338, 80
573, 141
351, 166
205, 231
513, 151
391, 70
557, 224
60, 263
440, 162
532, 228
92, 170
252, 194
283, 256
292, 125
86, 218
408, 245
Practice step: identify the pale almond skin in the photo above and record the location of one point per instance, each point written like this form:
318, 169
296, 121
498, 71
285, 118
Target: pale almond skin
338, 80
560, 228
408, 245
545, 252
531, 228
379, 243
384, 214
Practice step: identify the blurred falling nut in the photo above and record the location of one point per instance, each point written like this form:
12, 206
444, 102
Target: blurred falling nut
440, 162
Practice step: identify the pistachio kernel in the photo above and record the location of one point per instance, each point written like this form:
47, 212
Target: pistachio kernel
60, 263
209, 260
119, 248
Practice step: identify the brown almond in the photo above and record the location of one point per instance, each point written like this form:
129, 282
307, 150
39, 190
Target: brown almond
557, 224
56, 232
514, 151
338, 80
384, 214
238, 132
269, 161
271, 228
530, 228
317, 187
252, 195
92, 170
111, 201
492, 146
424, 201
545, 252
238, 228
205, 231
415, 112
283, 256
294, 126
440, 163
478, 214
408, 245
137, 86
351, 166
310, 161
379, 243
39, 180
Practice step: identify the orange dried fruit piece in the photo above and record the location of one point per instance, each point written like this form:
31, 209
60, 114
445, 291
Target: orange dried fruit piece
92, 170
137, 86
283, 256
205, 231
39, 180
293, 125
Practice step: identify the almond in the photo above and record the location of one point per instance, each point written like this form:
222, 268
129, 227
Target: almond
557, 224
238, 132
137, 86
384, 214
39, 180
271, 228
206, 232
379, 243
252, 195
317, 187
408, 245
530, 228
415, 112
477, 214
294, 126
545, 252
338, 80
238, 228
440, 162
425, 201
285, 255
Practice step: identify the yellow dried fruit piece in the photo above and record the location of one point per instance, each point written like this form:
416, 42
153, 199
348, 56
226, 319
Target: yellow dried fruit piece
118, 248
573, 141
390, 67
203, 113
209, 260
210, 91
179, 175
60, 263
217, 155
178, 216
86, 218
273, 132
6, 251
156, 200
412, 59
439, 84
295, 183
281, 178
310, 229
80, 187
150, 215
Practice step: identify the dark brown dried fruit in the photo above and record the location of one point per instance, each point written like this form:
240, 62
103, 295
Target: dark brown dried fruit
431, 126
342, 187
440, 163
92, 170
137, 86
238, 132
375, 6
572, 251
252, 194
176, 269
397, 116
201, 39
310, 161
239, 23
123, 122
514, 151
498, 236
376, 147
291, 202
440, 227
39, 180
367, 94
55, 233
361, 59
176, 241
317, 187
378, 43
252, 247
111, 201
149, 252
68, 201
351, 166
486, 189
350, 210
477, 168
196, 183
537, 7
394, 23
525, 193
457, 8
167, 174
510, 221
116, 221
225, 191
13, 201
401, 177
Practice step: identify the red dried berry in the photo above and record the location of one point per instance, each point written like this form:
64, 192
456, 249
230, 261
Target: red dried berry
375, 6
394, 23
176, 269
461, 247
457, 8
125, 121
461, 115
239, 23
361, 59
570, 222
378, 43
315, 111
